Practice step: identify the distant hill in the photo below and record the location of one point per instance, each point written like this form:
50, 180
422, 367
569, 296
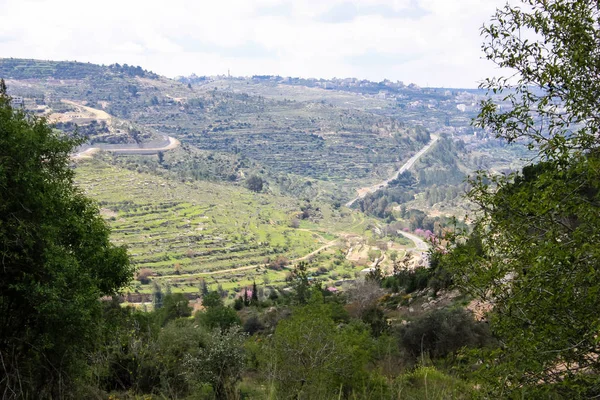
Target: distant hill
302, 135
314, 138
17, 68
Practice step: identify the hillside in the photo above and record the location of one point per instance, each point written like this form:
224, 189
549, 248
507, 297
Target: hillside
310, 138
186, 232
344, 134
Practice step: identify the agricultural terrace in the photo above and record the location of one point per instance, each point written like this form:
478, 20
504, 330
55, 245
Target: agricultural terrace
186, 232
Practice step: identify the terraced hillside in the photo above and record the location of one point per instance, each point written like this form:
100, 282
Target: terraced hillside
195, 230
315, 138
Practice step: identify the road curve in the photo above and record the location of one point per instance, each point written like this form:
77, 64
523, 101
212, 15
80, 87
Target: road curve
420, 244
362, 192
89, 152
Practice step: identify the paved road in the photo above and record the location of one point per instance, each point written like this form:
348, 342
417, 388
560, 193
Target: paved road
420, 244
362, 192
170, 143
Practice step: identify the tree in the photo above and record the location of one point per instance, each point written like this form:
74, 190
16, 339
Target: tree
57, 260
175, 305
538, 258
203, 287
216, 315
299, 282
157, 297
443, 332
246, 300
220, 363
254, 297
309, 356
212, 299
255, 183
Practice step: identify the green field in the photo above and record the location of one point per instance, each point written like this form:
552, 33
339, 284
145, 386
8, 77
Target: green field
188, 231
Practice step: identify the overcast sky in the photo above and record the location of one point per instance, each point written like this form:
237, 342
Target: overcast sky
427, 42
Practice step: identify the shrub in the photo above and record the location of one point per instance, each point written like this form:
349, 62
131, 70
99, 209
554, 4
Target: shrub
253, 325
442, 332
144, 275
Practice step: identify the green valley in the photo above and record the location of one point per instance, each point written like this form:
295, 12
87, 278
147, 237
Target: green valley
188, 231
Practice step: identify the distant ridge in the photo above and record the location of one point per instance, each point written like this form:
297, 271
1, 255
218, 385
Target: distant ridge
19, 68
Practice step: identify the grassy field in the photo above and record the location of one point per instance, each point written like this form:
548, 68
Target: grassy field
185, 232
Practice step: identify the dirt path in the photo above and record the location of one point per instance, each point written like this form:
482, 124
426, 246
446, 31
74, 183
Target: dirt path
362, 192
309, 255
314, 233
247, 267
99, 114
362, 221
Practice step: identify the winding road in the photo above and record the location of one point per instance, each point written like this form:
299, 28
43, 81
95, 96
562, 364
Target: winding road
87, 151
130, 149
362, 192
420, 244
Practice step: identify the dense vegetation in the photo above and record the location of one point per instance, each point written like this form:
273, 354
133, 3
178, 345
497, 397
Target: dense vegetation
272, 317
107, 348
57, 261
534, 250
15, 68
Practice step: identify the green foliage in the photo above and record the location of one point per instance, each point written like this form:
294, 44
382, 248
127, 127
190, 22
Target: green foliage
255, 183
220, 317
442, 333
165, 367
36, 69
238, 303
212, 299
374, 317
309, 356
437, 277
174, 361
409, 280
57, 259
428, 383
175, 305
120, 361
220, 363
299, 282
254, 297
253, 325
157, 296
538, 256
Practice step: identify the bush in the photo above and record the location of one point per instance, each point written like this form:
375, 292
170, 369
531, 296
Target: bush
255, 183
443, 332
253, 325
175, 305
143, 275
279, 263
410, 281
218, 317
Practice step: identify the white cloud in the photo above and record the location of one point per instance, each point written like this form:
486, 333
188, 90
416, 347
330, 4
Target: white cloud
438, 44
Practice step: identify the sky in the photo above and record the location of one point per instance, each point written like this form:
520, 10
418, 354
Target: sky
433, 43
